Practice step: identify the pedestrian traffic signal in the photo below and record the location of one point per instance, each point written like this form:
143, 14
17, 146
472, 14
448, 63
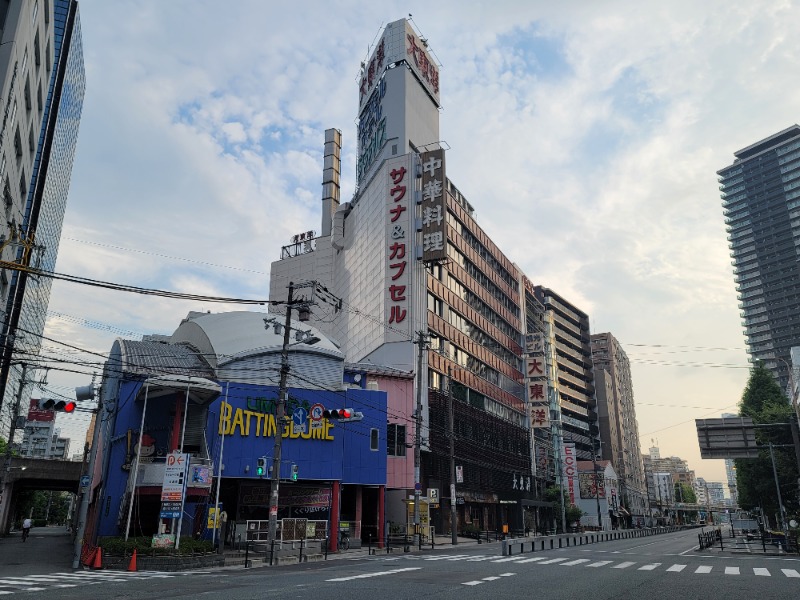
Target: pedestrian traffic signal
294, 472
66, 406
343, 414
261, 466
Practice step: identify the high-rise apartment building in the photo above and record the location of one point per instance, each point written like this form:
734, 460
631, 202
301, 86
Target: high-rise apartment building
574, 375
761, 204
730, 472
407, 256
619, 430
43, 82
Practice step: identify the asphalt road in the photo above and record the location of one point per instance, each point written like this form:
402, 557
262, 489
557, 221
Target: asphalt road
650, 568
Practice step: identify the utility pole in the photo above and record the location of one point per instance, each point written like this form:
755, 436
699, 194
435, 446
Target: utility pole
83, 509
279, 418
453, 512
597, 487
12, 431
418, 436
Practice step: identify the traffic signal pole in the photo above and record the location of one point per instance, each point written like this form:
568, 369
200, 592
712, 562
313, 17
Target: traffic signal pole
279, 417
10, 442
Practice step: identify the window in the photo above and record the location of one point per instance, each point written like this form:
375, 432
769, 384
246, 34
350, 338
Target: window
373, 439
23, 184
28, 102
395, 440
39, 104
18, 143
37, 50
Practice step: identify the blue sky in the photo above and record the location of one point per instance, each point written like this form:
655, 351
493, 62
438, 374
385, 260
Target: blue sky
587, 136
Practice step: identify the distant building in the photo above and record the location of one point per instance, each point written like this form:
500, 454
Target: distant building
42, 439
619, 429
730, 472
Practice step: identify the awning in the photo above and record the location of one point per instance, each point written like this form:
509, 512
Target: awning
200, 389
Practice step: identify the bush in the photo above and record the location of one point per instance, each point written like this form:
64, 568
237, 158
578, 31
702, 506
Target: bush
117, 546
40, 522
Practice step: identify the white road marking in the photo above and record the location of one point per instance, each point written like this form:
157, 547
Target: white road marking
378, 574
512, 558
676, 568
703, 569
600, 563
649, 567
790, 573
575, 562
552, 561
448, 557
761, 572
530, 560
481, 558
507, 574
472, 583
623, 565
731, 570
490, 578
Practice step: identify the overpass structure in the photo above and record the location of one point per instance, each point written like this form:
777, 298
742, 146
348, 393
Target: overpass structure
35, 474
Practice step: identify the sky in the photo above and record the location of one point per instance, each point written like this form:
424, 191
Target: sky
587, 136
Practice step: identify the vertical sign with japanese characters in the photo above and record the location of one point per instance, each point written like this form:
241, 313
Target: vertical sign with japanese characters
399, 244
570, 470
536, 381
434, 206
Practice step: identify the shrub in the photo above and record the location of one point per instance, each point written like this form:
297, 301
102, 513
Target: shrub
117, 546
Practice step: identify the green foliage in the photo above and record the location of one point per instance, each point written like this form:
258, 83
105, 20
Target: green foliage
765, 402
117, 546
684, 493
573, 514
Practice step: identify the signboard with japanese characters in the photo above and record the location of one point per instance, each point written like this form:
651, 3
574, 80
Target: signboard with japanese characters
540, 415
399, 42
434, 206
534, 343
588, 487
542, 460
174, 477
538, 393
569, 470
399, 250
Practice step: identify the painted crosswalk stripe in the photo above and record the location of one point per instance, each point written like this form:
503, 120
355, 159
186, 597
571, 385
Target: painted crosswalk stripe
731, 570
552, 561
378, 574
16, 582
600, 563
472, 583
575, 562
507, 574
480, 558
623, 565
790, 573
649, 567
676, 568
448, 557
512, 558
703, 569
490, 578
530, 560
761, 572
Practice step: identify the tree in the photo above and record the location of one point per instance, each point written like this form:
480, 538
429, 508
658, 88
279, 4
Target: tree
684, 493
764, 402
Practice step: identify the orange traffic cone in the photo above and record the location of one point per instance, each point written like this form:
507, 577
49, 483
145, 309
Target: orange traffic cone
97, 562
132, 564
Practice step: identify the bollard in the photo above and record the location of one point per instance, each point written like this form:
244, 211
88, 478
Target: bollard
369, 545
301, 550
271, 551
246, 554
326, 546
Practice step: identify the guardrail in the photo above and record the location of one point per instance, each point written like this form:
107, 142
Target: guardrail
707, 539
533, 544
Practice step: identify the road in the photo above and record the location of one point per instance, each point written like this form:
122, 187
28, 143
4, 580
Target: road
650, 568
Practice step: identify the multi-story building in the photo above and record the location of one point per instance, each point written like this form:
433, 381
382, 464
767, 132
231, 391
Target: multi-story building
408, 257
43, 80
730, 472
42, 439
619, 430
574, 376
760, 192
662, 473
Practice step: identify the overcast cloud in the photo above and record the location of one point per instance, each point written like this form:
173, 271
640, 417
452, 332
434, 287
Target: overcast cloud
586, 134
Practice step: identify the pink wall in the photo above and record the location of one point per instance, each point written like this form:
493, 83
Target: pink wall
400, 392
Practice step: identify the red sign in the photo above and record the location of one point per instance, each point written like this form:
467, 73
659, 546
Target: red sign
36, 414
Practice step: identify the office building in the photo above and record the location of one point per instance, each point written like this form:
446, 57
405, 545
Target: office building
43, 82
761, 204
406, 255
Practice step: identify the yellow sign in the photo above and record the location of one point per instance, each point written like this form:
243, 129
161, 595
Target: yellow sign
264, 425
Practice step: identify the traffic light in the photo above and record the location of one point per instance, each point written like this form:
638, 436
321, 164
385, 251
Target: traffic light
294, 472
66, 406
343, 414
261, 466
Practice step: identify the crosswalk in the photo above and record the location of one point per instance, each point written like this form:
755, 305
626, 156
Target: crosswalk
668, 567
38, 583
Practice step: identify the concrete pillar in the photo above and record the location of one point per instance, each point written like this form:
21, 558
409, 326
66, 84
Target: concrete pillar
381, 517
334, 517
